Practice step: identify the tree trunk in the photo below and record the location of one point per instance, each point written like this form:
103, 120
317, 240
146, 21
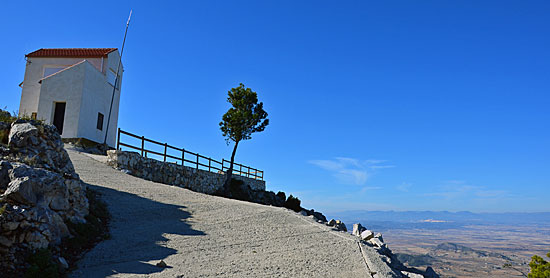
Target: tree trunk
229, 172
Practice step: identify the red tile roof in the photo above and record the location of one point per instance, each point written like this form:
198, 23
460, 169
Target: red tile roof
71, 52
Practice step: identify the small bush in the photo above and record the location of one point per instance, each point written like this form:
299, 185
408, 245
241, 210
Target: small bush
281, 195
42, 265
3, 209
238, 190
293, 203
539, 267
7, 117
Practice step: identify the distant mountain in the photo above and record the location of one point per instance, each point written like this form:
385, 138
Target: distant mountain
437, 219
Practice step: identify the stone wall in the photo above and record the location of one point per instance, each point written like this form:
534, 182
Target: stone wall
170, 173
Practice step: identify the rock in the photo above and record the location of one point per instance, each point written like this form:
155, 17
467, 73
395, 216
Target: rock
36, 240
357, 229
5, 166
161, 264
10, 226
32, 186
317, 215
303, 212
430, 273
376, 242
331, 222
40, 192
62, 263
39, 146
4, 241
367, 235
340, 226
379, 236
21, 134
411, 275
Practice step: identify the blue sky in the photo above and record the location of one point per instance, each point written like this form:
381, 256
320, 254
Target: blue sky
401, 105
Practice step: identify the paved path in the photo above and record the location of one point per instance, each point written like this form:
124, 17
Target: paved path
199, 235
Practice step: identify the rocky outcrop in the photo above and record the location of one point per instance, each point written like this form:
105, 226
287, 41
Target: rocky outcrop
338, 225
375, 251
39, 191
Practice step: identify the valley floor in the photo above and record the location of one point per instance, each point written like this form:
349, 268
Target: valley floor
483, 250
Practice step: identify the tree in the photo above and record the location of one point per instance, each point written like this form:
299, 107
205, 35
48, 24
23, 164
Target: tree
245, 117
539, 267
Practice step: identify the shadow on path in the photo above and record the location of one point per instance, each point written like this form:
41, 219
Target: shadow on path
138, 231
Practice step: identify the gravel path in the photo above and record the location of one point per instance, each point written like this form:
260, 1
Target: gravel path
199, 235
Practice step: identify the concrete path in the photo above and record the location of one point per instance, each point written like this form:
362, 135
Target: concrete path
199, 235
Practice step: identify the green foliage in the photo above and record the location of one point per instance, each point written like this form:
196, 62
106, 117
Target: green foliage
281, 195
245, 117
238, 190
539, 267
3, 209
7, 117
42, 265
293, 203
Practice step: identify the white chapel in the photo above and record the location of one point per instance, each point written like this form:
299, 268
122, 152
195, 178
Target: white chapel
72, 88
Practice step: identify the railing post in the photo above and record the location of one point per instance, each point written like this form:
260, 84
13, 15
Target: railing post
248, 172
222, 164
143, 145
118, 140
165, 148
197, 161
182, 157
240, 170
209, 161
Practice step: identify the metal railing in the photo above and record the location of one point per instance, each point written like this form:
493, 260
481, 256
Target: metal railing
184, 156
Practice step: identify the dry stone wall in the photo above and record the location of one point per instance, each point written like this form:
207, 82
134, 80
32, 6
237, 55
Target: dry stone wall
170, 173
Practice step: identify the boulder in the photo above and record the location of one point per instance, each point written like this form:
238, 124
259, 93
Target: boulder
357, 229
367, 235
34, 186
379, 236
21, 134
376, 242
317, 215
430, 273
39, 146
36, 240
340, 226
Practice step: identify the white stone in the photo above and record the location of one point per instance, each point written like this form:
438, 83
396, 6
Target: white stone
366, 235
357, 229
63, 263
